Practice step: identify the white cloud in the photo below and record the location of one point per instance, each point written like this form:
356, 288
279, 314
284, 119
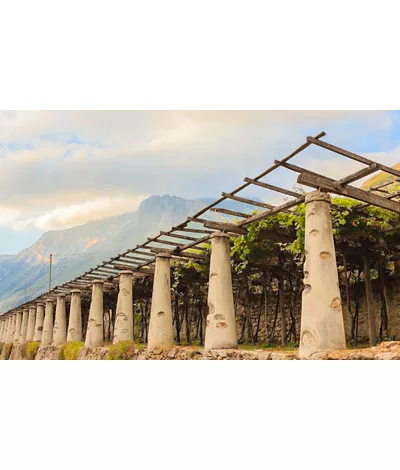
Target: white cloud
62, 168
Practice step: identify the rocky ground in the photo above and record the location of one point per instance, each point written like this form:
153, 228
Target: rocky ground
385, 351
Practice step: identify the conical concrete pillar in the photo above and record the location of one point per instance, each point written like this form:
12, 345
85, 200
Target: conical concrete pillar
160, 328
123, 330
221, 324
24, 326
1, 330
75, 317
94, 332
10, 331
18, 323
322, 327
39, 322
31, 324
47, 335
60, 322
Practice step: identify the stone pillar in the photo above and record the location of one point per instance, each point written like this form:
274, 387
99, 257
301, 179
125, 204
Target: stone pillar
221, 324
160, 328
39, 322
322, 327
2, 330
47, 336
123, 330
31, 324
18, 323
24, 326
94, 333
60, 322
75, 317
10, 331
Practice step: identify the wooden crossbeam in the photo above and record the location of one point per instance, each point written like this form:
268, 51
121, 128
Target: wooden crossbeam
229, 212
179, 254
181, 246
272, 187
353, 156
248, 201
328, 184
357, 175
177, 235
191, 230
226, 227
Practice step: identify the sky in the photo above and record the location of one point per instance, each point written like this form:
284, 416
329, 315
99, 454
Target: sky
59, 169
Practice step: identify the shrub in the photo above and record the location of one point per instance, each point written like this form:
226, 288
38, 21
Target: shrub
29, 350
69, 351
7, 351
123, 350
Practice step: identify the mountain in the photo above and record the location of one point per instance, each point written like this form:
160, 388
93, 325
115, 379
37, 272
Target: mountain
77, 249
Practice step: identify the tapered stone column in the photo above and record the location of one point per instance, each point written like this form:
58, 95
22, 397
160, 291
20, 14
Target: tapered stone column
24, 326
10, 331
75, 317
18, 323
123, 330
94, 332
31, 324
322, 327
221, 325
60, 322
47, 335
2, 330
160, 328
39, 322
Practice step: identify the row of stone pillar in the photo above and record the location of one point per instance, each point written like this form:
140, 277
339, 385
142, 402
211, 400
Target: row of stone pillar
322, 326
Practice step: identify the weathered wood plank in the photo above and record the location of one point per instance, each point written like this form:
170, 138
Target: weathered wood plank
229, 212
349, 191
226, 227
272, 187
248, 201
357, 175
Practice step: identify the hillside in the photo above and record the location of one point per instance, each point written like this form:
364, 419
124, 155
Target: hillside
380, 178
77, 249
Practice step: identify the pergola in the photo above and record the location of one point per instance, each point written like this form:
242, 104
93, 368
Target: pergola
188, 240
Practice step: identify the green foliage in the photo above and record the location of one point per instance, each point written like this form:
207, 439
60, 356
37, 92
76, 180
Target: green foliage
69, 351
7, 348
29, 350
123, 350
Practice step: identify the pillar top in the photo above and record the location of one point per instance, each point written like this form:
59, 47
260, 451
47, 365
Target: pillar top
98, 281
49, 299
318, 196
32, 306
220, 234
127, 271
76, 291
61, 295
163, 255
39, 303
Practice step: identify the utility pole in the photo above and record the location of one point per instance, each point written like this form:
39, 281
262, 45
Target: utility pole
50, 262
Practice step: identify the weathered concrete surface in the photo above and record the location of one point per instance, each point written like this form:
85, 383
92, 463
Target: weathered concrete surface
37, 336
75, 317
322, 327
60, 322
31, 324
10, 329
24, 326
47, 335
160, 328
18, 323
221, 326
94, 332
124, 315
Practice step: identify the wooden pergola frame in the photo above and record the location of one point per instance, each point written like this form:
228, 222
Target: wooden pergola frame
140, 258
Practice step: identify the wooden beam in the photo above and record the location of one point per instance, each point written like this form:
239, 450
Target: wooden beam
191, 230
226, 227
352, 155
176, 235
229, 212
349, 191
273, 188
357, 175
248, 201
179, 254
